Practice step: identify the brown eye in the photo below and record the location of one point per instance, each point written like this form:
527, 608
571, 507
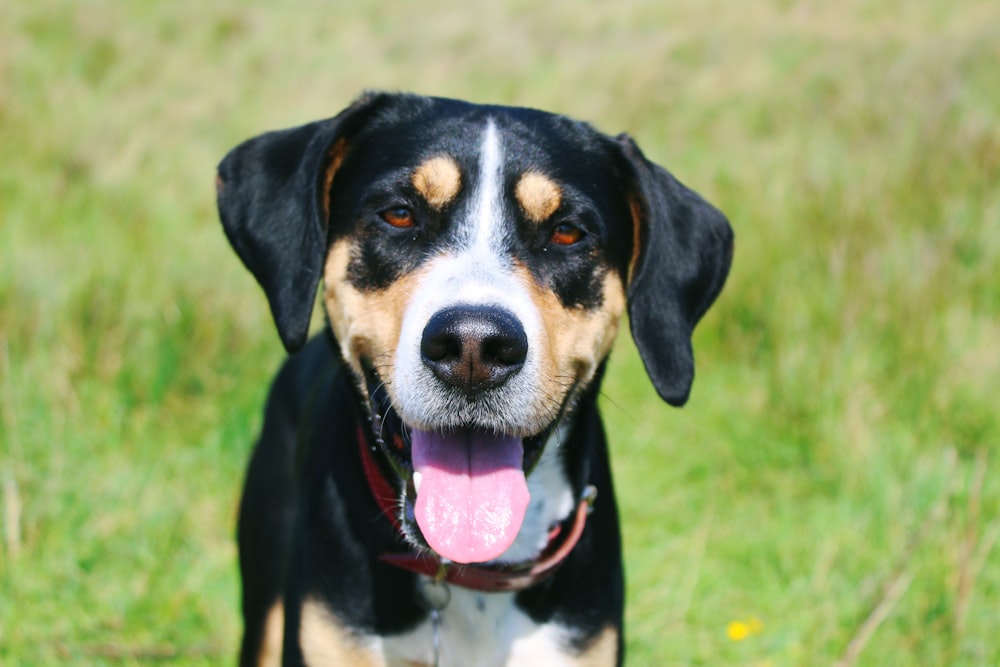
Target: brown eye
566, 234
399, 217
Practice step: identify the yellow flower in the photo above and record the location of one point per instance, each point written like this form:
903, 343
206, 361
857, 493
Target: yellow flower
737, 631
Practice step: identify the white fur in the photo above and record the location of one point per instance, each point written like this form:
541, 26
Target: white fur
551, 502
484, 630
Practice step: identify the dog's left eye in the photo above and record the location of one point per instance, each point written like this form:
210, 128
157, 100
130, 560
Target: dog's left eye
566, 234
399, 217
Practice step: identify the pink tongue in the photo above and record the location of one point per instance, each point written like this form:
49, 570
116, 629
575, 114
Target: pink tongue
473, 494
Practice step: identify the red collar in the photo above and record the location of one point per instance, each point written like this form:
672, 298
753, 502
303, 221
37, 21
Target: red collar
477, 577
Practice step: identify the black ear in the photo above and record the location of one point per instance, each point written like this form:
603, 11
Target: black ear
683, 250
272, 192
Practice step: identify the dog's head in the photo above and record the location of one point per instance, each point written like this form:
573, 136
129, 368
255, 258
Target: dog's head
476, 261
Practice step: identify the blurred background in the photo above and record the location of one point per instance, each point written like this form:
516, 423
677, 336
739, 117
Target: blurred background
830, 494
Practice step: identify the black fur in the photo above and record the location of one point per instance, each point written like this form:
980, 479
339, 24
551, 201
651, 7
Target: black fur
686, 248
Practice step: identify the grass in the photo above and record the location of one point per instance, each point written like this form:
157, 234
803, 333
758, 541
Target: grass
830, 494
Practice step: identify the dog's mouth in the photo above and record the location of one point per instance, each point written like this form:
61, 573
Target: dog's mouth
466, 490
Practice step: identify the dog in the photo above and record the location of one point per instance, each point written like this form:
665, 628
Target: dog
431, 485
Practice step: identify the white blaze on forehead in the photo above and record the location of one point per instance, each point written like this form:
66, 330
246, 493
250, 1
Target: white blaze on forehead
481, 269
485, 221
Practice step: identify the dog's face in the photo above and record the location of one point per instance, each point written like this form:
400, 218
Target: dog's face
476, 262
479, 271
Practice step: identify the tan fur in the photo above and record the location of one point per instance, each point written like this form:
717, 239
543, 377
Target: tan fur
334, 159
274, 629
325, 642
576, 339
438, 180
636, 209
538, 195
602, 652
366, 324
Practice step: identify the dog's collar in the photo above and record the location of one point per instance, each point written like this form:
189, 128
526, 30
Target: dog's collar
477, 577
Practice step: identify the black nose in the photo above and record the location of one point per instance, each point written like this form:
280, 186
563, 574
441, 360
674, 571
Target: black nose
474, 348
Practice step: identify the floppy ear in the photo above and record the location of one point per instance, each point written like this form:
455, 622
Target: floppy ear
682, 253
273, 201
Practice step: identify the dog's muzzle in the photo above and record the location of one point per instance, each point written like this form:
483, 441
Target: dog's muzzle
472, 492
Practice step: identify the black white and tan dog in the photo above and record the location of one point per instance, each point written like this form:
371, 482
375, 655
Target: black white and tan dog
431, 484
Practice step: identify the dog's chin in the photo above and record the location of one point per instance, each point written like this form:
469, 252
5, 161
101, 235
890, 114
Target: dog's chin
465, 485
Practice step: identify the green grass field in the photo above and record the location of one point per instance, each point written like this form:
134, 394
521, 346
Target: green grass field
830, 495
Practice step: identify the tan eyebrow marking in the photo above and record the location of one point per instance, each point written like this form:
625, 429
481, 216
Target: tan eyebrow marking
538, 195
438, 180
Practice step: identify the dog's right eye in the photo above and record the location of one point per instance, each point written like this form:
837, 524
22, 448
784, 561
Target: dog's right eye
566, 234
399, 217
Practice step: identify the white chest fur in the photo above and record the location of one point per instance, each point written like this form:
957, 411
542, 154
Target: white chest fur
482, 629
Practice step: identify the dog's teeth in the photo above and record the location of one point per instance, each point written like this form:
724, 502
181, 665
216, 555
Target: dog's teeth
416, 481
